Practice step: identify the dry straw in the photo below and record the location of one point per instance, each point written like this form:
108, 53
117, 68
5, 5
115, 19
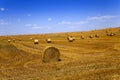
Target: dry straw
14, 40
51, 54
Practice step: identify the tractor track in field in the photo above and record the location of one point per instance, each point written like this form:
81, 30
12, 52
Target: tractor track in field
27, 49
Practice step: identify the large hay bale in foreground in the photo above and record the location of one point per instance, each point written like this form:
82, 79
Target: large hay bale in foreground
51, 54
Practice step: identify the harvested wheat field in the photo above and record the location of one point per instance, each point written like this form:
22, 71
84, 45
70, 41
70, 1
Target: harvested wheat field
96, 58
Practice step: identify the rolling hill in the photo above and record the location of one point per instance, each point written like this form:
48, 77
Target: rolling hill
96, 58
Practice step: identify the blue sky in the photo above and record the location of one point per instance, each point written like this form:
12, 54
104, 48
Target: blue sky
48, 16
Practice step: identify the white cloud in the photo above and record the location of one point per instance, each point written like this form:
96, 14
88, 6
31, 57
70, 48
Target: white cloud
3, 9
41, 27
30, 25
2, 22
89, 20
95, 22
72, 23
64, 23
49, 19
101, 17
36, 27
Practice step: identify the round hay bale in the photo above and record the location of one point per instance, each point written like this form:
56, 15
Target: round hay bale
91, 36
9, 40
51, 54
36, 41
82, 37
96, 35
49, 40
70, 39
112, 34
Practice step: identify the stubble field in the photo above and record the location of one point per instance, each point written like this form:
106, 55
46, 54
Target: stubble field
96, 58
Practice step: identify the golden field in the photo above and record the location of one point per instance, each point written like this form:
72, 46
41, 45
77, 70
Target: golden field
83, 59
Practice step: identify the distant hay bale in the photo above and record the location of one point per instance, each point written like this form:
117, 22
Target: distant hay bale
96, 35
36, 41
82, 37
51, 54
112, 34
71, 39
9, 40
48, 40
91, 36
